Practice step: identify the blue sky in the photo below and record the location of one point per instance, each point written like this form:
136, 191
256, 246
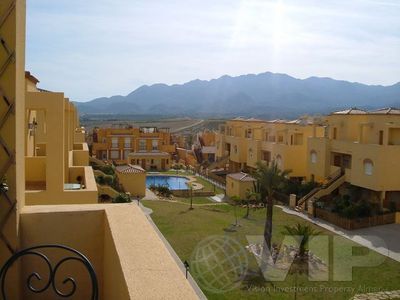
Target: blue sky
90, 49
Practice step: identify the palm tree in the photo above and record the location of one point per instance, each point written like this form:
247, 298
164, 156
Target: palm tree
303, 231
300, 263
268, 179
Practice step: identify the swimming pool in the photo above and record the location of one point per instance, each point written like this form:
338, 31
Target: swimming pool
172, 182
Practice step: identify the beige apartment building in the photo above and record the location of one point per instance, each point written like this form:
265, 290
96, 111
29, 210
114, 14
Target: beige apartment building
57, 167
244, 142
363, 149
148, 147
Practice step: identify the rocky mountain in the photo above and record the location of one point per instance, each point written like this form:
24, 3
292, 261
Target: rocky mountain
268, 95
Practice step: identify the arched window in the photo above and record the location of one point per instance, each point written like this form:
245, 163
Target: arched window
279, 161
313, 156
368, 167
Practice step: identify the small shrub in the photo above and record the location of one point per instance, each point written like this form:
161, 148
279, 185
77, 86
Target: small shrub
109, 170
122, 198
108, 179
163, 191
104, 198
100, 179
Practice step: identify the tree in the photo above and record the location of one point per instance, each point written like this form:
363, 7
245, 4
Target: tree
236, 201
251, 196
269, 179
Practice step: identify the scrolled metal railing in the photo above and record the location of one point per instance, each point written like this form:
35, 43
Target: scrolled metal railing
34, 278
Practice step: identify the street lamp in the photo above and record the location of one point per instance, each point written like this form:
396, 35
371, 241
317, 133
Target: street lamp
191, 197
186, 264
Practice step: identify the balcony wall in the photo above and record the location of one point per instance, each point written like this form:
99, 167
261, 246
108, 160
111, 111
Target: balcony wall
35, 169
130, 259
80, 154
88, 194
79, 136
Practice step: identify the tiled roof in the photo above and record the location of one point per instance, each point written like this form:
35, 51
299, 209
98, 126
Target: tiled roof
386, 111
241, 176
130, 169
350, 111
356, 111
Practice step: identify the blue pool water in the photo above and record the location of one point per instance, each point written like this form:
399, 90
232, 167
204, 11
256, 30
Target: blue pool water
172, 182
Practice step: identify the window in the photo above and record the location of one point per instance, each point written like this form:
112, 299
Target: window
266, 136
380, 137
279, 161
127, 143
142, 145
248, 133
154, 144
368, 167
266, 155
334, 133
235, 149
250, 152
280, 139
114, 154
313, 157
126, 153
114, 143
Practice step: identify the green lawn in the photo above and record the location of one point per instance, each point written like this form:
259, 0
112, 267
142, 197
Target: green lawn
185, 228
209, 186
196, 200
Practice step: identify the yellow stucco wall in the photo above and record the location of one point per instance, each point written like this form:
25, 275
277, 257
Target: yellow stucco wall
237, 187
134, 183
130, 263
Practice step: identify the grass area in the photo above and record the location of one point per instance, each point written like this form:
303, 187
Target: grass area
209, 186
196, 200
185, 228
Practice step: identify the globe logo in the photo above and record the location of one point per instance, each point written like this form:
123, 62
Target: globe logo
219, 263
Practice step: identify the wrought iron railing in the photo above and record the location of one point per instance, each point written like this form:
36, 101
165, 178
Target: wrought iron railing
34, 278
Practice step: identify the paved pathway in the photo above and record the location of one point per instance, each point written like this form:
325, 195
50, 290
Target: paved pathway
218, 198
150, 195
388, 243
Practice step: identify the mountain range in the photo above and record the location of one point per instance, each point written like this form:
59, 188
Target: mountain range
267, 95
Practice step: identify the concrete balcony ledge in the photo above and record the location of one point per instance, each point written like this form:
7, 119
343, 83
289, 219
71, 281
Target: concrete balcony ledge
130, 259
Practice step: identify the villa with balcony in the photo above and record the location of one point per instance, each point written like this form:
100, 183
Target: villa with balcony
247, 141
148, 147
364, 146
56, 154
